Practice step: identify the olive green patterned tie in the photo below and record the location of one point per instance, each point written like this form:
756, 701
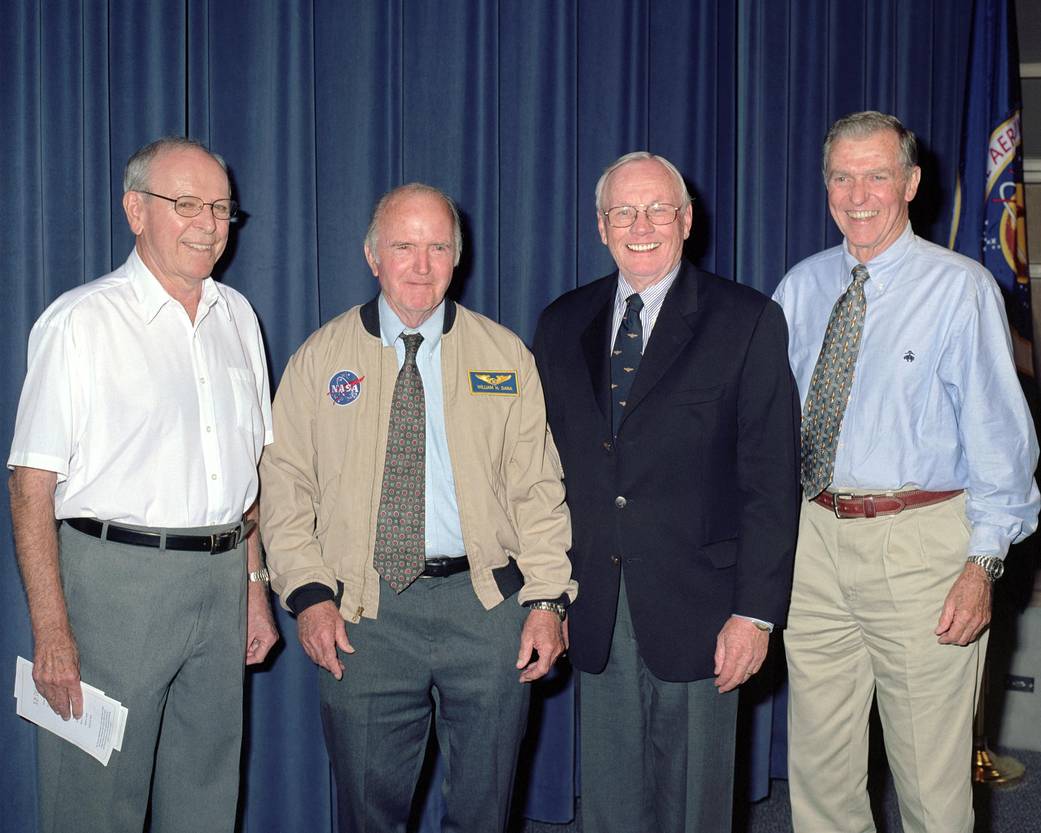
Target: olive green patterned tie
400, 552
830, 386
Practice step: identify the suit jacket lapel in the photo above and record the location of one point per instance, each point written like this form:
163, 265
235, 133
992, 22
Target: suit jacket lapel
596, 345
673, 329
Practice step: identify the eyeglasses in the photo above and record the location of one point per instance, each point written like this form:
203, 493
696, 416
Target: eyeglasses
189, 206
659, 213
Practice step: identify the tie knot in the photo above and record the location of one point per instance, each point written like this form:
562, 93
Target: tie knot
634, 302
412, 342
860, 273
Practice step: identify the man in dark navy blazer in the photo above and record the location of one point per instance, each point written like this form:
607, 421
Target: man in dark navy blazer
674, 409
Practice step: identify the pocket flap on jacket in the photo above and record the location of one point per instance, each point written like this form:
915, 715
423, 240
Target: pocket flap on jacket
722, 553
695, 395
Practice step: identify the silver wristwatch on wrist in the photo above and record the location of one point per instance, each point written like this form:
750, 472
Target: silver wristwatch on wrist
261, 576
993, 566
552, 607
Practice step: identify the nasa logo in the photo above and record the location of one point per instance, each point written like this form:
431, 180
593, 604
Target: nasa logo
345, 387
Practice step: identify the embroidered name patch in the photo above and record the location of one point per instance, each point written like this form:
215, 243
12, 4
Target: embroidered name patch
494, 382
345, 387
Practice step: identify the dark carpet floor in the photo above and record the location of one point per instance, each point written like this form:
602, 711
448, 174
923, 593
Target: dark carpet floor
1015, 808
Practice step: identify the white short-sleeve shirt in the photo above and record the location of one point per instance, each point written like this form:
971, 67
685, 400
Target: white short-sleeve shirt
146, 418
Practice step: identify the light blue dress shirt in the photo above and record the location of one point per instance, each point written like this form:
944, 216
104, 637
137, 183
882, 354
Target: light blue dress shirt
444, 536
935, 402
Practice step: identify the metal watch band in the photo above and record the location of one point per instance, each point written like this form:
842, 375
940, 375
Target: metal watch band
552, 607
261, 575
993, 566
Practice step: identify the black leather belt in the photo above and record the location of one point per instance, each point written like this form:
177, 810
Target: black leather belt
215, 543
443, 567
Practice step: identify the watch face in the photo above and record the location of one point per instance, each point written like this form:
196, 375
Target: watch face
993, 566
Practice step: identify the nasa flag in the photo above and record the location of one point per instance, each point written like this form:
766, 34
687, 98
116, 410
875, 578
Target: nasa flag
989, 219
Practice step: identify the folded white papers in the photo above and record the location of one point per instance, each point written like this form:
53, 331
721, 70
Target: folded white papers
97, 732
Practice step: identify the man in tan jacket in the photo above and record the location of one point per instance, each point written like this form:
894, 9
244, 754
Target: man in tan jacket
413, 488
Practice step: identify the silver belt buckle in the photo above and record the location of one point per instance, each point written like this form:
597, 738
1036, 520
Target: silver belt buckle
835, 498
235, 536
218, 539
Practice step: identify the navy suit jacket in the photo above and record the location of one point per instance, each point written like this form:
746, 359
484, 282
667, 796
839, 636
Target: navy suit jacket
697, 498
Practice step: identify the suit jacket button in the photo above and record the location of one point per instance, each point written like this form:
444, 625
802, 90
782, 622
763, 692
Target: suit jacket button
619, 502
616, 560
608, 447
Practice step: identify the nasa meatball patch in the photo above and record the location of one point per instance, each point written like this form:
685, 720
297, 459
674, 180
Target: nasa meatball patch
345, 387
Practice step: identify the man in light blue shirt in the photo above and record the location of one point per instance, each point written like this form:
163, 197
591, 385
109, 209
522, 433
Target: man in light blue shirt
926, 469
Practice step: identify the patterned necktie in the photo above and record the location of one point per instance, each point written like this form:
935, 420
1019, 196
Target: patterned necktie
625, 358
400, 551
830, 386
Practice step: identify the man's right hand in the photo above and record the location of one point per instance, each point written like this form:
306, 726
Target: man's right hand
56, 672
322, 630
56, 661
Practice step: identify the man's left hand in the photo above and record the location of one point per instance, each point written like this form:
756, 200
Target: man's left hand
966, 611
542, 632
740, 651
261, 633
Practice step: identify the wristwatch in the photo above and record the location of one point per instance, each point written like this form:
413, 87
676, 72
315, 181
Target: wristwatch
552, 607
261, 575
993, 566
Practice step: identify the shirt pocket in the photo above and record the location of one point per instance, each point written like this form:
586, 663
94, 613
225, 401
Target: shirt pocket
248, 415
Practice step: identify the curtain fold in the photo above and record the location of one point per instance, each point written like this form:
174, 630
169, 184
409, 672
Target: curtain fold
320, 106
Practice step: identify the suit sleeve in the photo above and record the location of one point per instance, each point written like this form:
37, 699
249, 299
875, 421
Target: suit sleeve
767, 472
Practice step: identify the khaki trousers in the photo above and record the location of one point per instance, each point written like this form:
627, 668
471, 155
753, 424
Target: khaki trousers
866, 599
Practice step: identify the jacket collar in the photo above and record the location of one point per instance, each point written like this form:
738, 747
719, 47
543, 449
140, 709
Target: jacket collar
370, 316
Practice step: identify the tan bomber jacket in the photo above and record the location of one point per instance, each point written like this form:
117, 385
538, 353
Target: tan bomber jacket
321, 478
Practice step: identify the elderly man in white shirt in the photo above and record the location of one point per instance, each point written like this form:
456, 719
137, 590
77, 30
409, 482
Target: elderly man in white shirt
141, 421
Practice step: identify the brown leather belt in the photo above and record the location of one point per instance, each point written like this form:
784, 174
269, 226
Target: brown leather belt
870, 506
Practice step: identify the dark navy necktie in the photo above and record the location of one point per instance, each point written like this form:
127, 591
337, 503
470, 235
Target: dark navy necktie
625, 358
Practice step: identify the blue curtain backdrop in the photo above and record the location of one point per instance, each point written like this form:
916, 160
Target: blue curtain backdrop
513, 108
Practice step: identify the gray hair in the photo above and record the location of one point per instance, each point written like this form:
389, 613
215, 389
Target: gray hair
867, 123
139, 166
638, 156
372, 233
